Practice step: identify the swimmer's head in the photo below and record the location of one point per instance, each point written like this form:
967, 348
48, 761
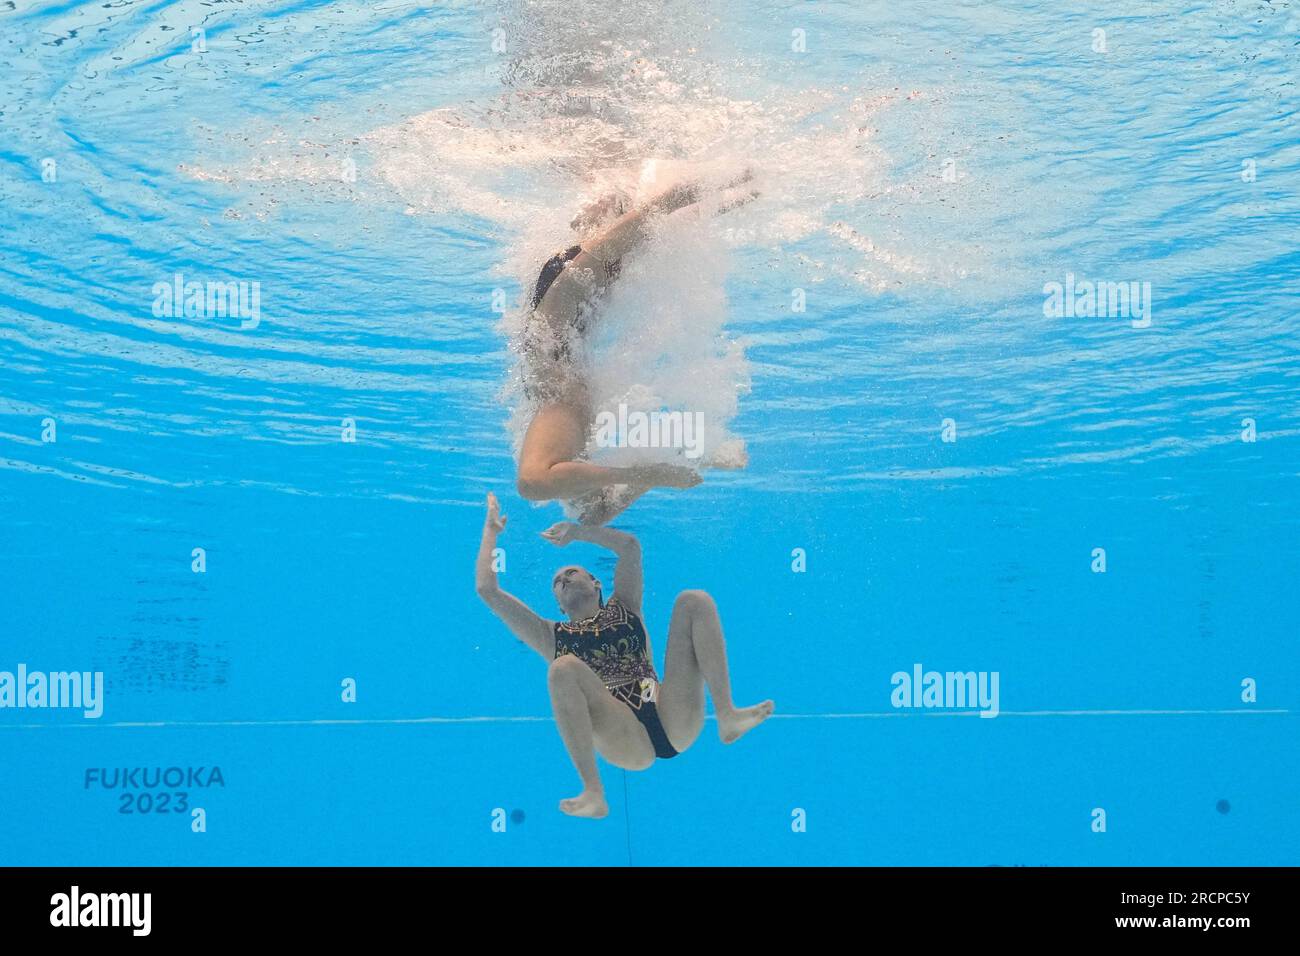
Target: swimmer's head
576, 590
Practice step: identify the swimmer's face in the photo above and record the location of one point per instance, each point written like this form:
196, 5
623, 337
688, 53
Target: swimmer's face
574, 586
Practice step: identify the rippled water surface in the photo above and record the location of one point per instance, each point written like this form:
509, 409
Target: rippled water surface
392, 175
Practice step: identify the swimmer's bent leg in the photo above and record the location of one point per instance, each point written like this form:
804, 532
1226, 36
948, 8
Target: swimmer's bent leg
587, 714
696, 656
547, 470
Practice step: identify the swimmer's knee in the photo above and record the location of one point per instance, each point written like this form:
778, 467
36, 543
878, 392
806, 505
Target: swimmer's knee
533, 482
528, 490
564, 669
564, 675
695, 602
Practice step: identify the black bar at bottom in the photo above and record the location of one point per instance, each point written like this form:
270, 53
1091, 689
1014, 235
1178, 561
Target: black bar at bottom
536, 906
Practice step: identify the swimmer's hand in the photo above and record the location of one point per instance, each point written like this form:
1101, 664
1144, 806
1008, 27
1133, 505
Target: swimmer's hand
561, 533
495, 522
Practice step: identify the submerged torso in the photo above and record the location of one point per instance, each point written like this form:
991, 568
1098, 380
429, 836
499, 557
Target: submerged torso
567, 292
614, 645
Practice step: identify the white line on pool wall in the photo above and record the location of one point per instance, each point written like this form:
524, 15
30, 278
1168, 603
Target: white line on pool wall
330, 722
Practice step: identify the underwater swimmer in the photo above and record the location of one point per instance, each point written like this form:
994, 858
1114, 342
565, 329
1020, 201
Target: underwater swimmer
564, 302
605, 694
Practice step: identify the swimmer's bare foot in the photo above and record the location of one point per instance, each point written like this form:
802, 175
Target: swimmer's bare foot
740, 720
589, 803
729, 456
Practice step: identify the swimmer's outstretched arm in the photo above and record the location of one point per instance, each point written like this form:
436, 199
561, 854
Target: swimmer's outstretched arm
628, 582
530, 627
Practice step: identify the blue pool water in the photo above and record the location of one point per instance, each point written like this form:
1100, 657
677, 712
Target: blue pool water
381, 170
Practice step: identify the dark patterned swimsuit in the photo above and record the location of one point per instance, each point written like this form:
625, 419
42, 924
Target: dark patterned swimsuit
613, 644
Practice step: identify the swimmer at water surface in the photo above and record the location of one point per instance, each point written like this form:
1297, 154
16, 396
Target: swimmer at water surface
564, 303
605, 694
